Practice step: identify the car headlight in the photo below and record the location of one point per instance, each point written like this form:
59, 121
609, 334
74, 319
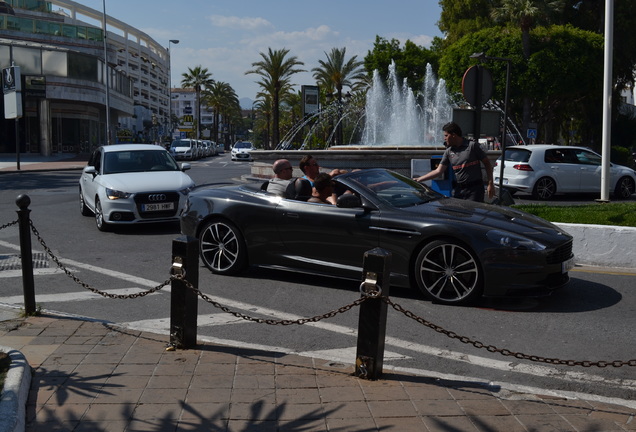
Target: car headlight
186, 190
514, 241
115, 194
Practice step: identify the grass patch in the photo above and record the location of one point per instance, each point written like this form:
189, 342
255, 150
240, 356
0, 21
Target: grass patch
620, 214
5, 362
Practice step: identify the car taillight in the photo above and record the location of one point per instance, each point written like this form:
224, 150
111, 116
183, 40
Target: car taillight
523, 167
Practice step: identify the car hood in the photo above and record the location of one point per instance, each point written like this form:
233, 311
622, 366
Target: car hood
148, 181
242, 150
181, 149
487, 215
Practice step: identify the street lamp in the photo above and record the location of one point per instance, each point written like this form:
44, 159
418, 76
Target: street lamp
170, 125
107, 76
483, 57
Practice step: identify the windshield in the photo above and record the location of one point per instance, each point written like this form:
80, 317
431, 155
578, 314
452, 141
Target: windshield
394, 189
180, 144
240, 145
138, 161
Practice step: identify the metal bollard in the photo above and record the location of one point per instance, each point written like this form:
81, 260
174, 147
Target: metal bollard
23, 202
373, 312
183, 300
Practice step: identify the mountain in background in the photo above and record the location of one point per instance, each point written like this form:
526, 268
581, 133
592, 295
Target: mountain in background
246, 103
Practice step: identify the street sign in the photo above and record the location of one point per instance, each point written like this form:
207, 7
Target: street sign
11, 79
532, 133
12, 89
477, 85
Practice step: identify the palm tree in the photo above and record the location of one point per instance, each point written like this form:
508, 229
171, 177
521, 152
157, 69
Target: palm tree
275, 70
263, 109
336, 73
526, 14
222, 98
197, 78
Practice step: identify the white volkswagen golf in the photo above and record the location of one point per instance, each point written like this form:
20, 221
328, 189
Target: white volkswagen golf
546, 170
133, 183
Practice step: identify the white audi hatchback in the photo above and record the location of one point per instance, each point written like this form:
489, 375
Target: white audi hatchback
133, 183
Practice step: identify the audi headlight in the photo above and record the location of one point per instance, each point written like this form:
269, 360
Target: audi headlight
113, 194
186, 190
514, 241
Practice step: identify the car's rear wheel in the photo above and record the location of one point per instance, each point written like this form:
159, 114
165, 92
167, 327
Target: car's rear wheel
448, 272
100, 221
222, 247
544, 188
84, 210
624, 188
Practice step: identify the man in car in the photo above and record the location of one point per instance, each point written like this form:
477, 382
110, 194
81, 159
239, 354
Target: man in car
465, 157
310, 168
283, 171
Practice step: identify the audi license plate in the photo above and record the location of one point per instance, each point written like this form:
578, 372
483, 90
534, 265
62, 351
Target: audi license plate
157, 207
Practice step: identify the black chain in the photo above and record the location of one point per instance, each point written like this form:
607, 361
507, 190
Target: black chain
85, 285
15, 222
300, 321
331, 314
503, 351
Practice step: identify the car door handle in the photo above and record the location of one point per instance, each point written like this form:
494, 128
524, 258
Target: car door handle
291, 215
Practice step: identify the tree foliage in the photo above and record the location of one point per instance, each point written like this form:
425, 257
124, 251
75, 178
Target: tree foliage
275, 70
197, 78
560, 88
410, 60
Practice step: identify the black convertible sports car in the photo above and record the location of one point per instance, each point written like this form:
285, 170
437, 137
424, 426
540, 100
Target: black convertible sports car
452, 250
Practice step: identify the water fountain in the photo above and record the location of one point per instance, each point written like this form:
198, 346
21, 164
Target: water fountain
396, 117
399, 125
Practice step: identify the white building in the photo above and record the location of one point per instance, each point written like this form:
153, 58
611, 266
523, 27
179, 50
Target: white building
59, 47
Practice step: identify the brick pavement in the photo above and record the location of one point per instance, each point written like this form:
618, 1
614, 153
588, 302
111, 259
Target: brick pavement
92, 376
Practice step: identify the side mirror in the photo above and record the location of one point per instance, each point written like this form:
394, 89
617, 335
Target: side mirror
90, 170
349, 200
185, 166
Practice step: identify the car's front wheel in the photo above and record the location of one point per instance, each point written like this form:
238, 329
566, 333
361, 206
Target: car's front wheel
222, 247
448, 272
624, 188
100, 221
544, 188
84, 210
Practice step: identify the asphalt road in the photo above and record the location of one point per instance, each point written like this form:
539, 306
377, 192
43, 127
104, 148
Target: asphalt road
590, 319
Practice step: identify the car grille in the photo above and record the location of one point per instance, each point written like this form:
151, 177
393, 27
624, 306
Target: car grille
560, 254
157, 198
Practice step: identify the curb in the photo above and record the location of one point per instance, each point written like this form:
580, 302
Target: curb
603, 245
15, 392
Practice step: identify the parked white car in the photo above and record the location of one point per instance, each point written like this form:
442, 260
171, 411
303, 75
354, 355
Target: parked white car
184, 149
544, 170
133, 183
242, 151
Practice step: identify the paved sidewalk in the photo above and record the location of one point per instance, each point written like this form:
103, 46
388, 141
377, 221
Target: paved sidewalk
33, 162
92, 376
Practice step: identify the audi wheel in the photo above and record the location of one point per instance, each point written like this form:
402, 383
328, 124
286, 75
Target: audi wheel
100, 221
84, 210
448, 272
222, 247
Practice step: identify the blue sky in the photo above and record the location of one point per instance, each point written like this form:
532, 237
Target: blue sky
226, 36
